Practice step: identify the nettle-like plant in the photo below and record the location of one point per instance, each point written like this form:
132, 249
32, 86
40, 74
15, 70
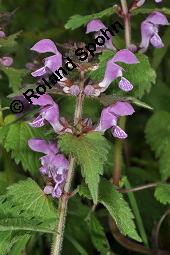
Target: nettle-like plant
71, 145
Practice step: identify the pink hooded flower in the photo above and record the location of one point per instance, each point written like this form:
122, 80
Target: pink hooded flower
51, 63
53, 164
49, 112
6, 61
150, 29
109, 118
113, 70
95, 26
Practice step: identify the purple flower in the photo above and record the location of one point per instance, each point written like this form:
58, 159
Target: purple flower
150, 29
6, 61
109, 118
51, 63
30, 66
89, 90
49, 112
74, 90
141, 2
95, 26
2, 34
54, 165
114, 71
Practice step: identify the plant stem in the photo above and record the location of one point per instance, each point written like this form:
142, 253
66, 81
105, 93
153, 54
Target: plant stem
126, 22
159, 226
118, 155
142, 187
122, 124
63, 202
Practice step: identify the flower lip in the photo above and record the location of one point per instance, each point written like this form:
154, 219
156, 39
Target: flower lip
43, 100
45, 45
94, 26
43, 146
125, 56
157, 18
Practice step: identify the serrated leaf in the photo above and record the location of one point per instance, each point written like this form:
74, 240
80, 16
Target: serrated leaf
30, 198
24, 209
9, 41
139, 103
7, 241
14, 138
19, 223
117, 207
91, 152
76, 21
15, 76
20, 245
158, 137
98, 236
162, 193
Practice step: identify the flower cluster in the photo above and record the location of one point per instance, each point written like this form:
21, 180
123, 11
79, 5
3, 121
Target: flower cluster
55, 165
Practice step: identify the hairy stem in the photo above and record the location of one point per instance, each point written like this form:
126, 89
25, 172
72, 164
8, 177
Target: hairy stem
63, 202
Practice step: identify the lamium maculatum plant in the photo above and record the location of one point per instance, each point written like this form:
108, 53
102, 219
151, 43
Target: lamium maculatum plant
73, 138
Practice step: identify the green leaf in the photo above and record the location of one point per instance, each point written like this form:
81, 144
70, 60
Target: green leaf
110, 99
117, 207
19, 223
77, 245
14, 138
162, 193
15, 76
136, 211
9, 41
76, 21
24, 209
91, 152
139, 103
30, 198
98, 236
20, 245
7, 240
150, 10
158, 137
